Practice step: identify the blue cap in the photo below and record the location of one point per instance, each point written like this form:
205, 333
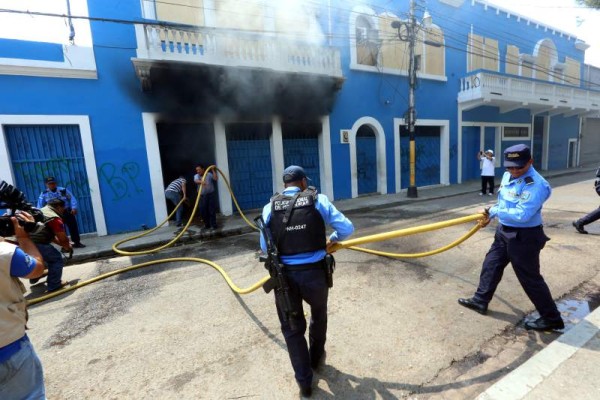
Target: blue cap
517, 155
50, 179
294, 173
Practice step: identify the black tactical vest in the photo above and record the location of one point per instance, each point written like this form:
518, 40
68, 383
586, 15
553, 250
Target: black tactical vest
305, 230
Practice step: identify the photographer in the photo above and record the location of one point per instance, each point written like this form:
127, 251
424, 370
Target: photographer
53, 231
488, 172
21, 374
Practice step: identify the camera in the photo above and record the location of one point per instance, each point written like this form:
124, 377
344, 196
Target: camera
13, 200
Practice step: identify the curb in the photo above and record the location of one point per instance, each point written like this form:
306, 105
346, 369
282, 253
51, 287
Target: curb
539, 368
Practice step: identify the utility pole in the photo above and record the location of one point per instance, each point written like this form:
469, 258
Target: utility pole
411, 29
412, 79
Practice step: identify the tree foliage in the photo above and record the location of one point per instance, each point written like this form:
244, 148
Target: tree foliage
590, 3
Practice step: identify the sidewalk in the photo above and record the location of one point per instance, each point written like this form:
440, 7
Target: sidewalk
565, 369
101, 246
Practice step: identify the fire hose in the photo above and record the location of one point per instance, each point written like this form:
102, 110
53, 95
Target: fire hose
351, 244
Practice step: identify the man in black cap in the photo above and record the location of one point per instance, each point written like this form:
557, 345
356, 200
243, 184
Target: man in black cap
302, 243
518, 240
57, 192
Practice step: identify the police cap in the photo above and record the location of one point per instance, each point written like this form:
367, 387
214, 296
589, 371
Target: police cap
50, 179
517, 155
294, 173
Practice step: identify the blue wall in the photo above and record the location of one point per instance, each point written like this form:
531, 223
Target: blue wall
561, 130
23, 49
114, 101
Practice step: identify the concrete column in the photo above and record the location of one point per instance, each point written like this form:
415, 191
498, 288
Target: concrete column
277, 155
326, 174
222, 162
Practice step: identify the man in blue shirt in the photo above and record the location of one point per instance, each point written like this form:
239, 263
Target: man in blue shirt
68, 216
519, 239
302, 244
21, 375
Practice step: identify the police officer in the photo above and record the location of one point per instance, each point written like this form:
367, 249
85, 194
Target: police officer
57, 192
302, 244
519, 239
592, 216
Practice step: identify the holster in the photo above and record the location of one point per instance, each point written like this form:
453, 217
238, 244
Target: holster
329, 269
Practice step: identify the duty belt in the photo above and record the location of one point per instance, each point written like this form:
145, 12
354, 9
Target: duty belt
515, 228
305, 267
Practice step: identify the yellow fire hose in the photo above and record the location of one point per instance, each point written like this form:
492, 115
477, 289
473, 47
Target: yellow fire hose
347, 244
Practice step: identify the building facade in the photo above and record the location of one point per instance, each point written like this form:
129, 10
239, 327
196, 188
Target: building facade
131, 94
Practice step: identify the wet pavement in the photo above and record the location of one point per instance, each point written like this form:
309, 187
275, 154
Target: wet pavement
565, 369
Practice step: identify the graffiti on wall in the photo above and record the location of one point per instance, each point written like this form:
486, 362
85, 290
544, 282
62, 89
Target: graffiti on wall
121, 178
31, 176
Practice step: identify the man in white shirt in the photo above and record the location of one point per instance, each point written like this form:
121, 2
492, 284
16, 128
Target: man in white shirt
487, 172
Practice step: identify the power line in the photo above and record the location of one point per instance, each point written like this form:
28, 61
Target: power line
165, 24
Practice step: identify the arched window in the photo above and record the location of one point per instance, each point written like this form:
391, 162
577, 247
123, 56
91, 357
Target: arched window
367, 46
394, 51
546, 57
433, 60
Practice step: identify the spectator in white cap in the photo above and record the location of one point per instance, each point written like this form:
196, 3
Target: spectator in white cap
487, 172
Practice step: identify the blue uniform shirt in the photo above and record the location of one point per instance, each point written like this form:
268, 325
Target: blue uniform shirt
61, 193
332, 217
520, 200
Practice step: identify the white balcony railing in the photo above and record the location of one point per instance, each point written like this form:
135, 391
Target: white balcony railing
234, 48
493, 88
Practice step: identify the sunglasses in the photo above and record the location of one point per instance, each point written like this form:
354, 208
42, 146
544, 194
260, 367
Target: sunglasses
515, 168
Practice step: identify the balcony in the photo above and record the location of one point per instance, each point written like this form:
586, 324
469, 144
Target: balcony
159, 44
511, 93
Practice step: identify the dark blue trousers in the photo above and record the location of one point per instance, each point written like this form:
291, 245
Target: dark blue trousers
71, 222
208, 209
591, 217
521, 247
310, 286
54, 262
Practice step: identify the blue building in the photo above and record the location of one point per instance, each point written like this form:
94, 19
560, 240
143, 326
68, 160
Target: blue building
120, 97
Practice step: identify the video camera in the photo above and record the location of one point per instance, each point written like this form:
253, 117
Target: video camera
14, 200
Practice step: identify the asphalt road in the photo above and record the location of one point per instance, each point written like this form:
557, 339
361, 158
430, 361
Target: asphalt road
176, 331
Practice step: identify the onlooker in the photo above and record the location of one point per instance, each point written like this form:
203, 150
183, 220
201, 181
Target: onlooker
21, 374
208, 199
57, 192
487, 171
297, 219
175, 192
519, 239
594, 215
53, 231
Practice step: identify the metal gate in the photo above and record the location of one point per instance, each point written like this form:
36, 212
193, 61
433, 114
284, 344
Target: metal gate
301, 147
427, 156
250, 171
366, 160
39, 151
